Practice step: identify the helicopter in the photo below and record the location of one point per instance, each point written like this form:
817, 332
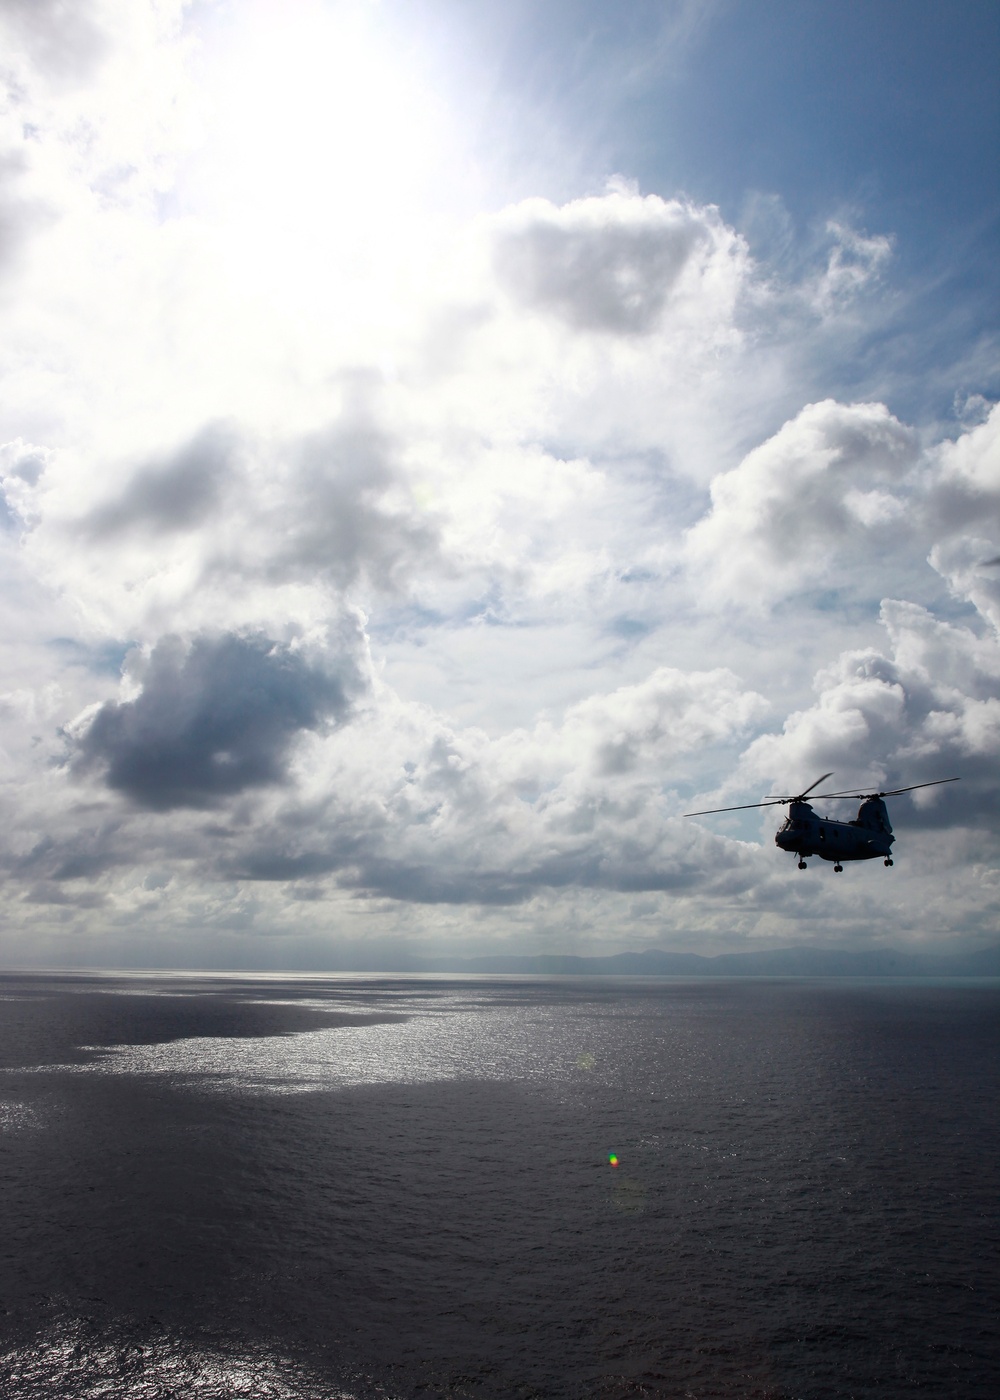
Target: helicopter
803, 833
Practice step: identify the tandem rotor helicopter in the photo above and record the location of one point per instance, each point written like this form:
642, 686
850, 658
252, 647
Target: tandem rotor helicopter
803, 833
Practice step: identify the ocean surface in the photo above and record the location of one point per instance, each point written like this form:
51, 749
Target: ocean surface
337, 1188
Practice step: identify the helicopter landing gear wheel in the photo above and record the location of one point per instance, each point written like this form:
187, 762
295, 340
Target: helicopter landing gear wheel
887, 861
838, 869
802, 864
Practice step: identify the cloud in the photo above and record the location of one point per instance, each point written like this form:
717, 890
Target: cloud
843, 493
329, 508
211, 720
638, 728
346, 514
236, 528
22, 462
65, 41
19, 216
48, 892
606, 264
965, 486
835, 475
80, 856
398, 806
177, 494
854, 261
925, 709
409, 809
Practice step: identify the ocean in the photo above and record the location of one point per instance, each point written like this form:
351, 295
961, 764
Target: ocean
349, 1187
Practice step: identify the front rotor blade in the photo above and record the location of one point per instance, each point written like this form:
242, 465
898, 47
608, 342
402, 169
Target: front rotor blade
798, 796
745, 807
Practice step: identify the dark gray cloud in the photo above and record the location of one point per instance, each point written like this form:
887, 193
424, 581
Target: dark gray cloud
83, 854
586, 869
212, 719
413, 883
957, 503
177, 493
334, 505
375, 857
49, 893
606, 276
347, 513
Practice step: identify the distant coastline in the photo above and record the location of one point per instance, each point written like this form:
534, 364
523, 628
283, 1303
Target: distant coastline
784, 962
780, 962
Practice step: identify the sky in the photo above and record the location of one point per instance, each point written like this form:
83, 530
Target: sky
442, 445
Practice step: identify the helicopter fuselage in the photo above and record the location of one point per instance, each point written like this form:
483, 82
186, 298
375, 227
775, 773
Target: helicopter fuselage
868, 837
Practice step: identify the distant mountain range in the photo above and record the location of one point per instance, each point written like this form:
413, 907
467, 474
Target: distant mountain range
784, 962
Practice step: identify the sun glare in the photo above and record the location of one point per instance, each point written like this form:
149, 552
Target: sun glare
320, 146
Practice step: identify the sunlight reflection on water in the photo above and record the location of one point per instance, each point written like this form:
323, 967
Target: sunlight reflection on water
501, 1044
460, 1035
17, 1117
69, 1360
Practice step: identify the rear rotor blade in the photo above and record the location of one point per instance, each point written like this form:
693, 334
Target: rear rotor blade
819, 796
866, 792
913, 786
